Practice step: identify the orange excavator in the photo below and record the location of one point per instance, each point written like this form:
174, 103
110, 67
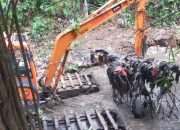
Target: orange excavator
65, 39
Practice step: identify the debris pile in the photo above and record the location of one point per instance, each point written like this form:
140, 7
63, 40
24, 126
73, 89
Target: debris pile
163, 37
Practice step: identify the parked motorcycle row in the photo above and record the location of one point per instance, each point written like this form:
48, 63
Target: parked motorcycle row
145, 85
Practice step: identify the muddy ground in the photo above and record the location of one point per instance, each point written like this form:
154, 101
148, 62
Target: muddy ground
117, 40
103, 99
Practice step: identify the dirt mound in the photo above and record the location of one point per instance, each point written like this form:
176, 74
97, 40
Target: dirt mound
109, 37
164, 37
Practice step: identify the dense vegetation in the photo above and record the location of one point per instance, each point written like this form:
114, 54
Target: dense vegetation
41, 15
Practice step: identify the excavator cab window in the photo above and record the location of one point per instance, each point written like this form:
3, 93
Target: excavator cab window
14, 38
20, 62
18, 55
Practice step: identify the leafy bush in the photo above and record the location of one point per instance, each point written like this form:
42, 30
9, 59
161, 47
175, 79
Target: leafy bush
52, 8
160, 8
39, 25
23, 8
38, 11
157, 9
94, 4
65, 9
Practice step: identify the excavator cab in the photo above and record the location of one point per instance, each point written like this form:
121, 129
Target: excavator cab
22, 71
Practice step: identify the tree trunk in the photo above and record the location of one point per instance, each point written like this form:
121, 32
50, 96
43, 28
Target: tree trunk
2, 127
85, 9
12, 116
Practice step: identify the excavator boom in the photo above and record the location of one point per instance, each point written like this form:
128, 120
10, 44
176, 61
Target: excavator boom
64, 40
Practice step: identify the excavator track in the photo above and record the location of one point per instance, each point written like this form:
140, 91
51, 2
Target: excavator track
97, 120
74, 84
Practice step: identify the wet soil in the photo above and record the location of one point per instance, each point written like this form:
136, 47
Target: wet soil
120, 41
103, 99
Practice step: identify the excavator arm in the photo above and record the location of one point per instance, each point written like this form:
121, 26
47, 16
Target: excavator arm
64, 40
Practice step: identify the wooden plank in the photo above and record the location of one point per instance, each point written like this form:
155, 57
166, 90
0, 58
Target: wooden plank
111, 120
78, 122
63, 83
70, 79
45, 125
87, 79
74, 76
56, 123
90, 121
79, 79
103, 122
67, 123
32, 124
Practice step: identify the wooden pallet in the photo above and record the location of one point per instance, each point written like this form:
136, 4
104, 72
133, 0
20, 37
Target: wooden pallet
97, 120
74, 84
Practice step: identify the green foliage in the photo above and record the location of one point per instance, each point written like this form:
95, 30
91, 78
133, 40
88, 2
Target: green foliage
40, 14
165, 83
56, 9
4, 3
39, 25
28, 5
94, 4
66, 9
97, 2
72, 66
42, 53
53, 7
157, 9
129, 16
49, 44
160, 8
75, 26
